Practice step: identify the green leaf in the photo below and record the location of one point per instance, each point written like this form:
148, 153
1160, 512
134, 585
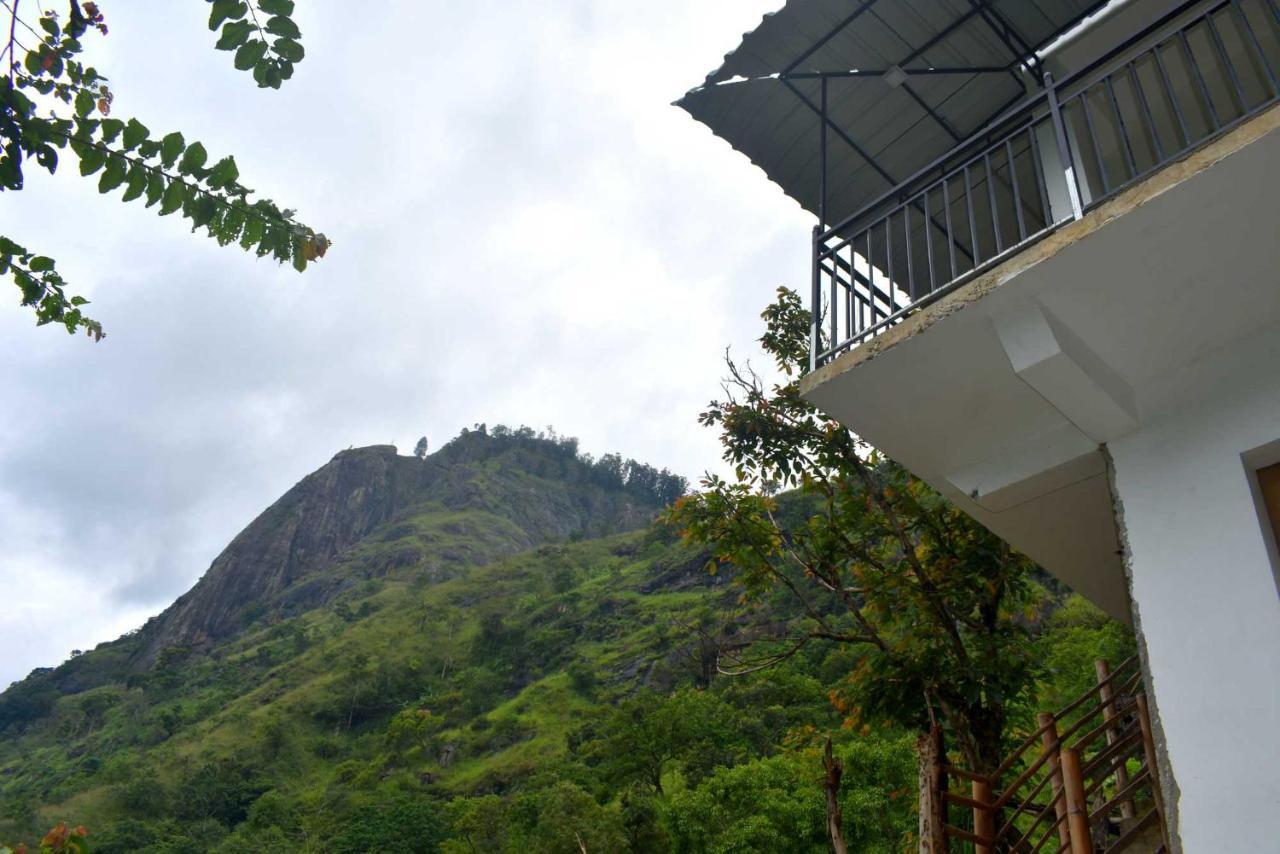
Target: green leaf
111, 129
32, 63
113, 176
254, 228
234, 34
289, 49
84, 103
223, 173
250, 54
92, 160
202, 211
50, 26
232, 223
276, 243
193, 158
174, 196
40, 264
170, 147
282, 26
134, 134
276, 7
47, 156
268, 74
155, 188
86, 128
225, 9
137, 182
21, 104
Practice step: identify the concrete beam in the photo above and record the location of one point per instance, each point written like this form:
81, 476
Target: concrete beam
1037, 465
1052, 360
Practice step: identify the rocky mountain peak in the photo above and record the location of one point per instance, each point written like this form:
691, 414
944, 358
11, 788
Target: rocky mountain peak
522, 488
326, 512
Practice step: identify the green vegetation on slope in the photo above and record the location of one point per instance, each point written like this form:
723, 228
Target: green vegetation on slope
561, 697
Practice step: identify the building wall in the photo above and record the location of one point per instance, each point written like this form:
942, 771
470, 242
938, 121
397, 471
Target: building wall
1201, 565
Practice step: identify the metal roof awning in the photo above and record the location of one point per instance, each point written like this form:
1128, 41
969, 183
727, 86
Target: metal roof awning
905, 81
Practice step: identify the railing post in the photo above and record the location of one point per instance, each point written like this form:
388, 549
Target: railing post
1107, 697
1153, 773
984, 820
931, 754
815, 326
822, 160
1077, 810
1049, 738
1064, 150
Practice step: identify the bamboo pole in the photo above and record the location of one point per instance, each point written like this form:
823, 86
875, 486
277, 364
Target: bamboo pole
933, 809
1149, 750
1107, 696
1049, 739
1077, 810
984, 819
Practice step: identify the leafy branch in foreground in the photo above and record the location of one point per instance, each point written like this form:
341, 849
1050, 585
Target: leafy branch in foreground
167, 173
44, 289
270, 49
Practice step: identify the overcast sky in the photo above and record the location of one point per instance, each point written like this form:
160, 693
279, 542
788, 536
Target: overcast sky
525, 231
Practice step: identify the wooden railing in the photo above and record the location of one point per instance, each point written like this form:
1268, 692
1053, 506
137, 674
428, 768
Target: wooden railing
1083, 782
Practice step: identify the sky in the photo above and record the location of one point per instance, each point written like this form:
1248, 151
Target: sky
525, 232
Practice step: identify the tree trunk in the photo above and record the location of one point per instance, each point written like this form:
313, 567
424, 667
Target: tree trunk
933, 810
835, 820
979, 733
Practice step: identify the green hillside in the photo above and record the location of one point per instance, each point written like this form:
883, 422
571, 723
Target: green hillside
504, 654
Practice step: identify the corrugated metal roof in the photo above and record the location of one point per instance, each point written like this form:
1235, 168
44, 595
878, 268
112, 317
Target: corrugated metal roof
761, 102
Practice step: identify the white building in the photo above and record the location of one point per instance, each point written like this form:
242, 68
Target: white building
1047, 281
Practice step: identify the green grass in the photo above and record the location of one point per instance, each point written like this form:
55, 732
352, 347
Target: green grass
415, 625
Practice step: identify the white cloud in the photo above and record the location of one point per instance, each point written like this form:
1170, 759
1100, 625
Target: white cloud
525, 231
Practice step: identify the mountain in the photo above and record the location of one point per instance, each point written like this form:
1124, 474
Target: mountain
507, 492
493, 649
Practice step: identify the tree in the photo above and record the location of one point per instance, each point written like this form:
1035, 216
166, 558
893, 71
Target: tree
868, 554
775, 803
51, 101
391, 821
414, 728
645, 735
481, 822
420, 449
221, 789
563, 819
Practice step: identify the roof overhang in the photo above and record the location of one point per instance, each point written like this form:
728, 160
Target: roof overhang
902, 81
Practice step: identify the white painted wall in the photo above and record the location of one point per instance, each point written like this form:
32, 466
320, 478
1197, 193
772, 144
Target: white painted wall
1205, 595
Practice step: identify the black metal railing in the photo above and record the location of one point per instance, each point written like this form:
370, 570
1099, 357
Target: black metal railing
1185, 79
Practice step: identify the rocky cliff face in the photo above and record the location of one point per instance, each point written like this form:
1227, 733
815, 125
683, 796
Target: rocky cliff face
302, 550
326, 512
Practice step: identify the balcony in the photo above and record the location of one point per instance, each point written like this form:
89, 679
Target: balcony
1059, 153
1012, 271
